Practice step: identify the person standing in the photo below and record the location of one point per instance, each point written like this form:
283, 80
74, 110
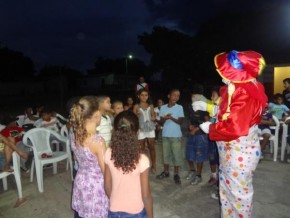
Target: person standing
236, 130
141, 85
145, 112
105, 127
89, 198
127, 171
171, 117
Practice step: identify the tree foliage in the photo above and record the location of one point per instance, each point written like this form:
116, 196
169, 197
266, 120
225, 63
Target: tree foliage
171, 50
14, 66
58, 70
118, 66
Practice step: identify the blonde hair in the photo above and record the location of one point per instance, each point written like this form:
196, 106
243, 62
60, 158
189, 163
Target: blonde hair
79, 113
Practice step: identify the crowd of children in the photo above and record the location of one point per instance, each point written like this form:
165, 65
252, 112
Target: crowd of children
109, 142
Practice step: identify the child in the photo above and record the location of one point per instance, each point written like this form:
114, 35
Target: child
29, 118
145, 111
279, 109
14, 134
212, 147
126, 171
105, 127
141, 85
197, 143
129, 104
286, 92
117, 107
172, 116
89, 198
6, 149
48, 120
264, 130
157, 121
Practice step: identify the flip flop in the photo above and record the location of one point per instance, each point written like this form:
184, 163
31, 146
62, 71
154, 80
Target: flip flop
20, 202
9, 170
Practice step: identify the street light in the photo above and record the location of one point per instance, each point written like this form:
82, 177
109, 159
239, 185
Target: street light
126, 61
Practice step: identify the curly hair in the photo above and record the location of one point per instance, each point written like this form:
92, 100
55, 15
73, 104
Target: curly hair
79, 113
124, 143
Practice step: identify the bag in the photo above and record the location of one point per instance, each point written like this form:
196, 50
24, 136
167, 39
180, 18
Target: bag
147, 126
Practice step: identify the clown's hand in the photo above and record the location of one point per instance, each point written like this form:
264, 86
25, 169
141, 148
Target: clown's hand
205, 126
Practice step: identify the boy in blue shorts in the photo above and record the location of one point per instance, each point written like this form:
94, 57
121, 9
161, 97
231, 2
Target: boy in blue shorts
171, 117
197, 143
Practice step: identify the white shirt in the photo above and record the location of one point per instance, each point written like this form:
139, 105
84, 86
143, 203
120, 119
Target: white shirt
105, 129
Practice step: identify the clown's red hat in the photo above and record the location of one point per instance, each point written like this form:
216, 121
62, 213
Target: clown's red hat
239, 67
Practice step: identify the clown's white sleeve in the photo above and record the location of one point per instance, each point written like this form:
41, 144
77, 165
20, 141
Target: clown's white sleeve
205, 126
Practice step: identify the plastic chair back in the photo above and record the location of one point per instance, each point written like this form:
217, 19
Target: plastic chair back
16, 173
39, 138
64, 131
20, 121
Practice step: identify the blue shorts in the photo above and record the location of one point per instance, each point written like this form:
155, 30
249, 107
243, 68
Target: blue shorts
213, 153
142, 214
2, 161
197, 148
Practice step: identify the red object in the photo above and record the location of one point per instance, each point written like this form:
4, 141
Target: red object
45, 155
14, 132
247, 104
251, 63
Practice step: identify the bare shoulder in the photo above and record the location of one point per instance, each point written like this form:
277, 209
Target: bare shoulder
98, 145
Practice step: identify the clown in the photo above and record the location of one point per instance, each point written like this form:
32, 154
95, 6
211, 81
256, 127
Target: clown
236, 132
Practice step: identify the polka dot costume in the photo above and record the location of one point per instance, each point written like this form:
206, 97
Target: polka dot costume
238, 161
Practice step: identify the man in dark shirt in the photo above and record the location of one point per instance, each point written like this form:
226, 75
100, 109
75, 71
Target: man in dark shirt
286, 92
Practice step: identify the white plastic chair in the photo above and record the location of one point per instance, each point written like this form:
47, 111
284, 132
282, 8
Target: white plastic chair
20, 121
2, 126
37, 123
64, 131
284, 139
61, 117
16, 173
274, 139
39, 140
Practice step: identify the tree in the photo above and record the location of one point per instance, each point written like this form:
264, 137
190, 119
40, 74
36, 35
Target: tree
171, 51
65, 76
14, 66
118, 66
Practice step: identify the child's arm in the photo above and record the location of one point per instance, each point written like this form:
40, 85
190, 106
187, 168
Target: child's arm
108, 181
153, 114
269, 122
136, 109
179, 121
10, 142
98, 149
146, 193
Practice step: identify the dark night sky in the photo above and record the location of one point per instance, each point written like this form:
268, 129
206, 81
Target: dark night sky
75, 33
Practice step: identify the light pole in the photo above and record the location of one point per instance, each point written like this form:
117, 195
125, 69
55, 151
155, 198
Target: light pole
126, 62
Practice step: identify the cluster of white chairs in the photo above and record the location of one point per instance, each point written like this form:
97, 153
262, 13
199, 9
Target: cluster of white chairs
275, 140
40, 140
284, 144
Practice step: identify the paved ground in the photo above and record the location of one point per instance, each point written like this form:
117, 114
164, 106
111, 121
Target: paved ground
271, 199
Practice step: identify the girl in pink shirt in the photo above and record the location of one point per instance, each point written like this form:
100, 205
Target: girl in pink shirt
127, 170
